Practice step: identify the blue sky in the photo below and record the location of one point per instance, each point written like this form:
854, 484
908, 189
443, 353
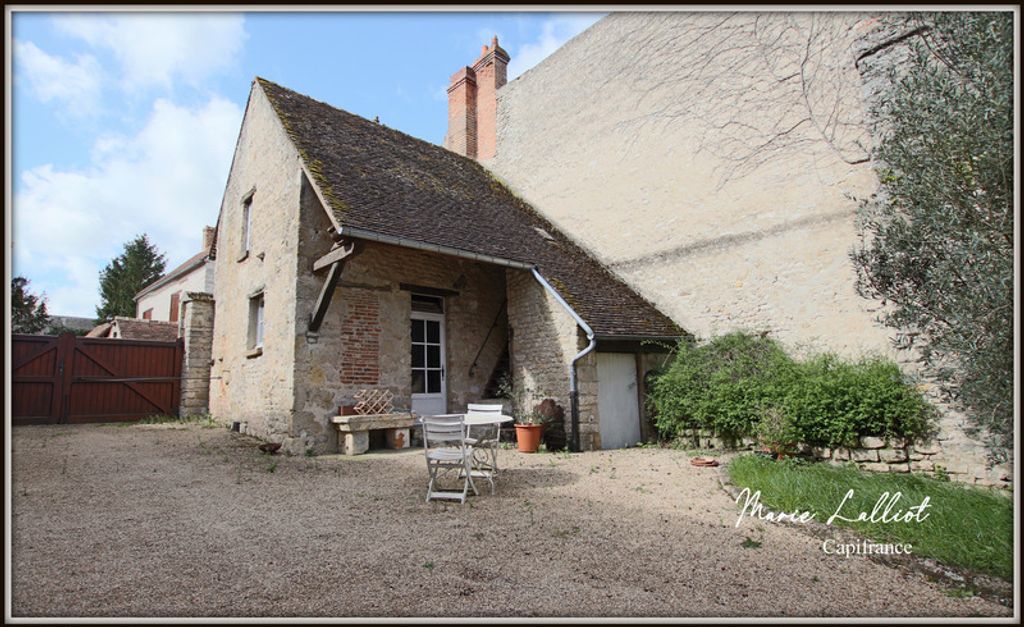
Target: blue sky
125, 123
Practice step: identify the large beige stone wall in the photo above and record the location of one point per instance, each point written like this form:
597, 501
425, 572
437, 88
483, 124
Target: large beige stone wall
713, 162
544, 339
257, 390
611, 138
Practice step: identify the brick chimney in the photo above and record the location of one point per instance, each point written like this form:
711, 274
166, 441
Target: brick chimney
207, 237
473, 104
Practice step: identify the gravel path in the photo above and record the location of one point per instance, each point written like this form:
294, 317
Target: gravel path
171, 520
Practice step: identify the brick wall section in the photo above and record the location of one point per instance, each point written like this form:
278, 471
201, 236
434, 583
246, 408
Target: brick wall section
472, 104
545, 338
360, 339
461, 135
196, 329
491, 74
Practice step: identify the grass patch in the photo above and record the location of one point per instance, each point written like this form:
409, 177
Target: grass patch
750, 544
967, 526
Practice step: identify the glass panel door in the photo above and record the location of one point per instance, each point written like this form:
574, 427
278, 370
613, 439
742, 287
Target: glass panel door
427, 363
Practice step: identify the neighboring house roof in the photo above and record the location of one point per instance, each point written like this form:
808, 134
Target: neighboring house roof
188, 266
135, 329
380, 180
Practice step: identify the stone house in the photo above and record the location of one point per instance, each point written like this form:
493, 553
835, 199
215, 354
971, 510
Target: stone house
711, 161
162, 299
351, 256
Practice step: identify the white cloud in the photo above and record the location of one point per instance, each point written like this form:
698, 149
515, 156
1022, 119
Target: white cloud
75, 84
554, 33
166, 181
155, 49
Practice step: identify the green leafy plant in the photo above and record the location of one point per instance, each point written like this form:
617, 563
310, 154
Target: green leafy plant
139, 265
731, 384
778, 432
936, 242
28, 311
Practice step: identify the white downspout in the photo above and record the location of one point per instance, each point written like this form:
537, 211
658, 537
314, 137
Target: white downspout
574, 391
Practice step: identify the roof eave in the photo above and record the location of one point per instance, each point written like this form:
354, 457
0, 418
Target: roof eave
358, 233
168, 278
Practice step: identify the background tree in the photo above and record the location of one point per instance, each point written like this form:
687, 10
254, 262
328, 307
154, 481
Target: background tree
28, 311
139, 265
936, 241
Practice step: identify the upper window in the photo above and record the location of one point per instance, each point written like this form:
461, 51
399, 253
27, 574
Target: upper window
256, 321
175, 305
247, 224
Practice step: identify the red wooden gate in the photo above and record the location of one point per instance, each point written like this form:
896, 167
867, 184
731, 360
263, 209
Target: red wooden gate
83, 379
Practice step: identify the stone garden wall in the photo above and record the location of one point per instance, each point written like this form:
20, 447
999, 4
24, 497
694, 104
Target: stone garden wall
196, 328
873, 454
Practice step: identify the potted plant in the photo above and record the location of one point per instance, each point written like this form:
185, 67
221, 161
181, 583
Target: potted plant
529, 429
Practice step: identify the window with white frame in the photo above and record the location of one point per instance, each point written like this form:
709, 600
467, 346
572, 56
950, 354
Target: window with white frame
256, 321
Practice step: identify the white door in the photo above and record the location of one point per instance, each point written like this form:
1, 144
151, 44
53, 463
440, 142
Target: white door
429, 392
617, 406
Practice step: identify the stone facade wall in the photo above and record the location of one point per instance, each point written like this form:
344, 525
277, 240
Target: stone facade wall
544, 339
257, 389
364, 340
196, 328
654, 153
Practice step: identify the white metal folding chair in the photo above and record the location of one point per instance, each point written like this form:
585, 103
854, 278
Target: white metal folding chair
485, 439
445, 448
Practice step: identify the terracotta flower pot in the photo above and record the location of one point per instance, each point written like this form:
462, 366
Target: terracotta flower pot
528, 437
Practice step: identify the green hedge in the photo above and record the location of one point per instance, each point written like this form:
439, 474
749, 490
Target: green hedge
728, 384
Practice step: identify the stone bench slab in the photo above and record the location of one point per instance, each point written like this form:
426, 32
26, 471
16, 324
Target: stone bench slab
369, 422
356, 430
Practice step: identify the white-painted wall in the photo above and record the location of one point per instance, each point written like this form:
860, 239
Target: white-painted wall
199, 280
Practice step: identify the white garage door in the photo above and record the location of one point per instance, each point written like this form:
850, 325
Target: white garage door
617, 400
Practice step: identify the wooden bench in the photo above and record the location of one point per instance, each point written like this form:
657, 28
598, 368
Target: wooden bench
356, 431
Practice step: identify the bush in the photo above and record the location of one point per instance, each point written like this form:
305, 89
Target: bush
731, 383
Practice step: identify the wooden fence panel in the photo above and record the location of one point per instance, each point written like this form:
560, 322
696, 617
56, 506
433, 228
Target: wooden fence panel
70, 379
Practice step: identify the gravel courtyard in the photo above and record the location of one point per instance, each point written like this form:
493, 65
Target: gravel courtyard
180, 520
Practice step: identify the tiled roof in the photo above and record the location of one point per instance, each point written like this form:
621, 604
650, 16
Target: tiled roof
381, 180
73, 323
187, 266
135, 329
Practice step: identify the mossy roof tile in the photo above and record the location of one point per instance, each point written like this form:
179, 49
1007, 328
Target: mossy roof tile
378, 179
